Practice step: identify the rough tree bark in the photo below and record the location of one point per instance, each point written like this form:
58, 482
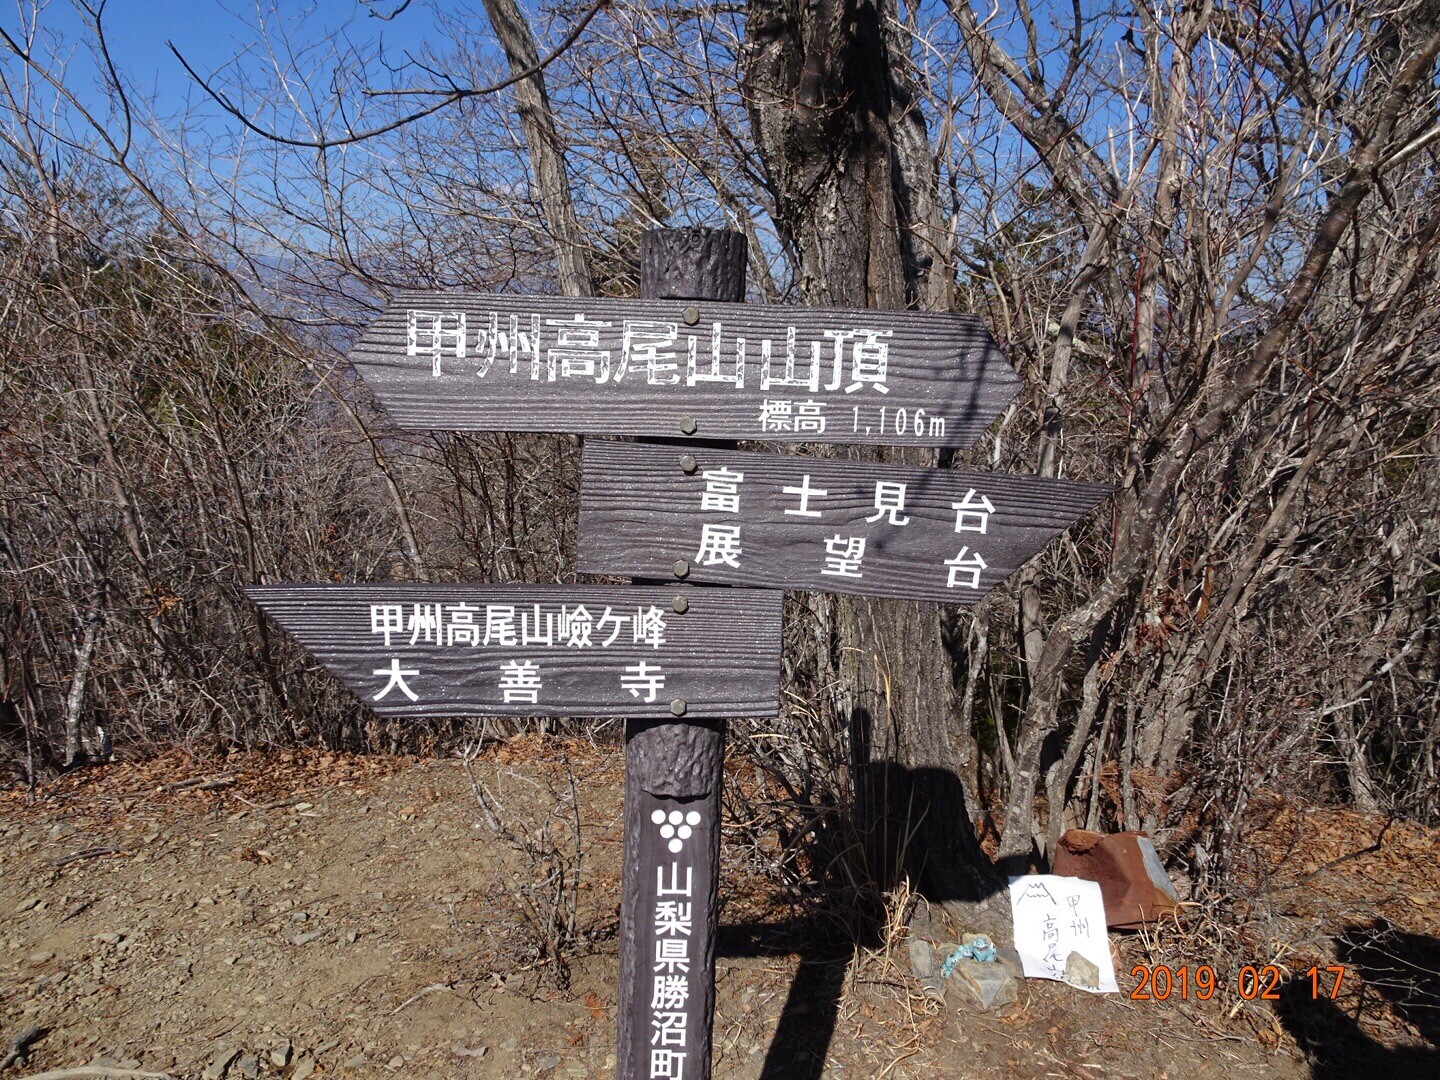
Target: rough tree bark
547, 152
854, 184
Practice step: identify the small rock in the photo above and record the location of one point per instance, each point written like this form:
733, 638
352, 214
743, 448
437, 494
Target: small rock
27, 904
306, 938
1010, 960
356, 1062
35, 959
351, 937
303, 1068
60, 829
249, 1066
110, 939
280, 1055
219, 1064
547, 1061
1081, 972
509, 1045
984, 985
926, 966
395, 1062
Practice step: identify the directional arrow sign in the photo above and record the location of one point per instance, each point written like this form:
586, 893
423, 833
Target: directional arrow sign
801, 523
468, 362
540, 650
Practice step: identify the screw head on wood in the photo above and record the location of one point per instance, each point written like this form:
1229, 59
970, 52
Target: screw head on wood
681, 568
687, 464
688, 425
691, 315
678, 706
680, 605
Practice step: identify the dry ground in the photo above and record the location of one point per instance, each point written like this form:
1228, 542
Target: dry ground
327, 915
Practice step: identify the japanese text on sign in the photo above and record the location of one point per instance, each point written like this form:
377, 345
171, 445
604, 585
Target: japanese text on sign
672, 915
839, 555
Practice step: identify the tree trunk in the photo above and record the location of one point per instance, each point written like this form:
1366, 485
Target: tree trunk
547, 152
850, 169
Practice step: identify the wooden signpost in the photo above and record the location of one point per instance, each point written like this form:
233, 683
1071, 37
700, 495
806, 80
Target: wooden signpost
707, 369
690, 364
792, 522
539, 650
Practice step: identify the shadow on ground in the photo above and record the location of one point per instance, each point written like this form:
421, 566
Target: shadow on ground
903, 818
1399, 968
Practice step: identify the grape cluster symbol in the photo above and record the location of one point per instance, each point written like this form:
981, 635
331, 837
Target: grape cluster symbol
676, 827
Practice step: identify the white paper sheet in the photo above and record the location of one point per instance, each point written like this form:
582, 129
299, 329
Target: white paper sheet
1054, 915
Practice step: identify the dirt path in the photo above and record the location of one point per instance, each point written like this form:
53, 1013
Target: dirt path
323, 915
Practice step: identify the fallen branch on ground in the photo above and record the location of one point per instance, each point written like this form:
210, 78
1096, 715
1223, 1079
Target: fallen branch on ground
88, 853
201, 783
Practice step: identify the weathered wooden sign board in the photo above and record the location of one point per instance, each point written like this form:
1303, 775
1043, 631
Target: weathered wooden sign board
470, 362
785, 521
540, 650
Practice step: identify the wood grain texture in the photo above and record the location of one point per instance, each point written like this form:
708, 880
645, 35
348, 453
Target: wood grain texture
692, 264
334, 623
946, 365
640, 513
650, 752
672, 766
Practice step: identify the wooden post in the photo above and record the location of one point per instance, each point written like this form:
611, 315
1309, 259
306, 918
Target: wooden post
669, 908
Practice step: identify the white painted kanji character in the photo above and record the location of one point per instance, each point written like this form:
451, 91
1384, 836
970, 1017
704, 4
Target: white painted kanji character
670, 1028
520, 343
488, 343
620, 621
838, 337
889, 499
722, 490
646, 344
650, 626
397, 679
804, 490
500, 624
537, 627
669, 991
972, 514
643, 678
575, 626
719, 544
674, 888
776, 415
843, 555
435, 334
868, 360
460, 624
809, 418
714, 373
673, 917
960, 564
672, 955
667, 1064
425, 623
520, 682
387, 619
577, 348
768, 378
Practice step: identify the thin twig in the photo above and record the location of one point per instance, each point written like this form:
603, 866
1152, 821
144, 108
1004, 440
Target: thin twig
203, 783
450, 97
88, 853
433, 988
102, 1071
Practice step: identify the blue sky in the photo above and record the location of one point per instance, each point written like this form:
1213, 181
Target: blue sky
213, 35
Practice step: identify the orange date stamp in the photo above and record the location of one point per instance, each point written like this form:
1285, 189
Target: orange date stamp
1253, 983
